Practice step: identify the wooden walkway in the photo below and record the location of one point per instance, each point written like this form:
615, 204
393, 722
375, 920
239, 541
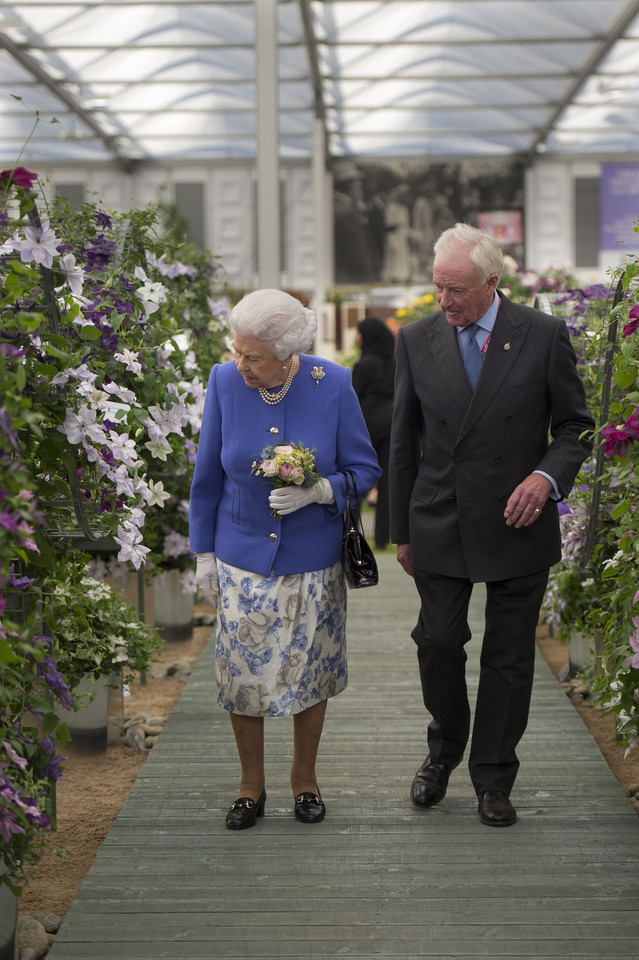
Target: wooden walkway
378, 878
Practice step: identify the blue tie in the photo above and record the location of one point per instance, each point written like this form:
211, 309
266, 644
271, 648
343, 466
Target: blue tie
471, 354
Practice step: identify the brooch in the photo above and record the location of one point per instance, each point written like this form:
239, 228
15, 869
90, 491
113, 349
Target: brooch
317, 374
507, 346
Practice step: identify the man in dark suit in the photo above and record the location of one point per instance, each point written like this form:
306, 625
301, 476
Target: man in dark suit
487, 436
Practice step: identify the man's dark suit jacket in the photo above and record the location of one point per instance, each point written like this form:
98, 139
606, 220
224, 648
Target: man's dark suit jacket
456, 456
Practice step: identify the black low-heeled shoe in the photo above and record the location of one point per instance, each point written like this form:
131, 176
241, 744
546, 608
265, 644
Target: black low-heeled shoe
244, 812
309, 808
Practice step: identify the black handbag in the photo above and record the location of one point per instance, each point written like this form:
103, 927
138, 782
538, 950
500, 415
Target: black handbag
358, 560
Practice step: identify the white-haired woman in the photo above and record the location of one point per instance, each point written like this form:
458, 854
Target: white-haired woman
276, 581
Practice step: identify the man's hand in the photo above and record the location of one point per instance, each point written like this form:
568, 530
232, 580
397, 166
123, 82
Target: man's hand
527, 501
403, 557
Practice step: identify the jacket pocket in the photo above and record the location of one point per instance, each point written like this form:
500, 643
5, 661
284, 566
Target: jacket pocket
424, 492
528, 387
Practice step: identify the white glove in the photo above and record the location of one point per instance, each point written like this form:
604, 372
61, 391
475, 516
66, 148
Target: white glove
289, 499
206, 576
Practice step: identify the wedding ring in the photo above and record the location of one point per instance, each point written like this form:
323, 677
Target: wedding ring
537, 510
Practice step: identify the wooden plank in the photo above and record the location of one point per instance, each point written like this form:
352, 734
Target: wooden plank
378, 878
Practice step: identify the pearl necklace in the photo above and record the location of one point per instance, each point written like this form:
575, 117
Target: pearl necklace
273, 398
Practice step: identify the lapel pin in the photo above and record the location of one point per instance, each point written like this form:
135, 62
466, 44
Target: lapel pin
507, 345
317, 374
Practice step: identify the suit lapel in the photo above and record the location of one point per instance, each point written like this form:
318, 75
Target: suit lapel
443, 343
508, 337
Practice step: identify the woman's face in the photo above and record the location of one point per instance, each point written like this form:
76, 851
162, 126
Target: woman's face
256, 363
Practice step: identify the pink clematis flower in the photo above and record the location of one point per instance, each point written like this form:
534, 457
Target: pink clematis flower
633, 323
20, 177
617, 438
634, 642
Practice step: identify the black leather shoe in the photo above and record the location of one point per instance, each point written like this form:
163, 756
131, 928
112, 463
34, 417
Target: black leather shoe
495, 809
430, 783
244, 812
309, 808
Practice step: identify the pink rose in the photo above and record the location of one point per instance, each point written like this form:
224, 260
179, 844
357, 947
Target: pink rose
296, 476
285, 471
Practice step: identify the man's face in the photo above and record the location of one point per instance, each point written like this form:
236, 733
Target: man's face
461, 293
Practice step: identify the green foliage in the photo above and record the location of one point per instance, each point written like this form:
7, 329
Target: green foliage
108, 330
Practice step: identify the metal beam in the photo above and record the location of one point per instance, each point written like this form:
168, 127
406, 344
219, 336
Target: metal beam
267, 161
617, 31
56, 87
313, 59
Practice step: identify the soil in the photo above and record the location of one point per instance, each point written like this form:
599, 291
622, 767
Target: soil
94, 788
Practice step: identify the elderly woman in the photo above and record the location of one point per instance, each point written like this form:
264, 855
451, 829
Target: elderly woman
276, 580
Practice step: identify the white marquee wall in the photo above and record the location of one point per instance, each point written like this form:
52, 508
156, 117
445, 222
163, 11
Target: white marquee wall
229, 197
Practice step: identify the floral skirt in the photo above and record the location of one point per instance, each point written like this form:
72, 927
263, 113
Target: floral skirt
280, 641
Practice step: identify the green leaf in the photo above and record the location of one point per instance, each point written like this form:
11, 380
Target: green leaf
45, 370
31, 321
21, 377
621, 509
49, 722
54, 351
6, 653
89, 332
62, 734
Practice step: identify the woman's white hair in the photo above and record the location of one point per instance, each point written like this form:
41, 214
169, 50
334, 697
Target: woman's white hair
277, 320
482, 248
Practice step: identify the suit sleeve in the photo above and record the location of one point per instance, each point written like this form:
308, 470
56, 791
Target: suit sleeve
406, 442
571, 423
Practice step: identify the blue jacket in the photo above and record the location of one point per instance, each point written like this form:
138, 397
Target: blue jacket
229, 509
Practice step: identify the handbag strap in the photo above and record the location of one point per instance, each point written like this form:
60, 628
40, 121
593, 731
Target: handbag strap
347, 474
352, 507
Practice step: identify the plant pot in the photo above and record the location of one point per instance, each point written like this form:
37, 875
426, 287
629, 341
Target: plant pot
98, 725
580, 652
8, 921
173, 609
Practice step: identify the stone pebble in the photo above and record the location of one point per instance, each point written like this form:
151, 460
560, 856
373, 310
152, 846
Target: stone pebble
32, 940
141, 732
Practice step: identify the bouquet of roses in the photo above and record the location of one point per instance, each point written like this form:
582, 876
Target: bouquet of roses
286, 463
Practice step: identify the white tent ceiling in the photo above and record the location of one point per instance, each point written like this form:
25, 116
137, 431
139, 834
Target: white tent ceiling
166, 81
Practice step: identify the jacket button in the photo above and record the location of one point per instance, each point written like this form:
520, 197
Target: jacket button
272, 536
502, 497
452, 499
274, 431
443, 423
458, 461
508, 419
499, 459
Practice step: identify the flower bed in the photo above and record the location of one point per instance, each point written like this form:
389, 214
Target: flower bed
108, 328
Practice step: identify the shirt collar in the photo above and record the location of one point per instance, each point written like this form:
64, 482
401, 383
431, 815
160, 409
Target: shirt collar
487, 321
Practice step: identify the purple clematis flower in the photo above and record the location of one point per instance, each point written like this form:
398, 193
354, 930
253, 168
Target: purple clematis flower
48, 671
7, 429
53, 767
